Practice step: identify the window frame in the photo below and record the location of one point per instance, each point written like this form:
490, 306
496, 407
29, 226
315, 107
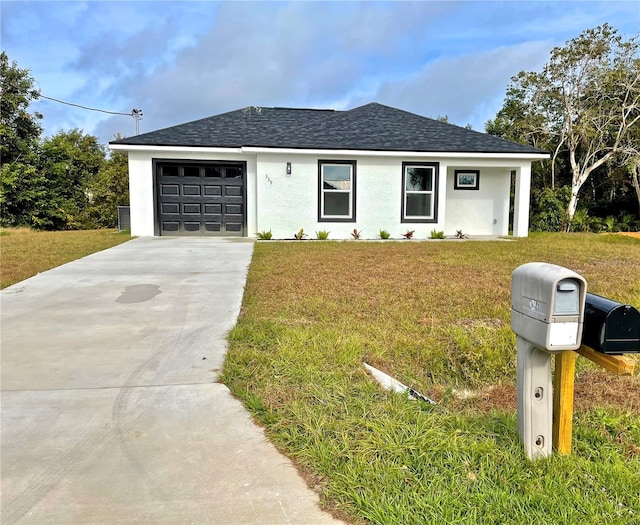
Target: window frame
352, 192
435, 166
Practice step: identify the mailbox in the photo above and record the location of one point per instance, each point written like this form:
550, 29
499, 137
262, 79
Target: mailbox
547, 311
547, 306
611, 327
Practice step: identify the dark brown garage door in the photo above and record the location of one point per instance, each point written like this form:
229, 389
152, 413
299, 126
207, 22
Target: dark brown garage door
201, 198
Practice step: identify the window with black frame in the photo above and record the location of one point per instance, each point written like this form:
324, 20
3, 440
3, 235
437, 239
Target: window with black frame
419, 192
337, 191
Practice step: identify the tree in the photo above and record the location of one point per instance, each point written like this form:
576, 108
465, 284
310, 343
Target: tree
21, 186
19, 129
69, 161
108, 190
58, 183
632, 164
585, 102
522, 120
23, 192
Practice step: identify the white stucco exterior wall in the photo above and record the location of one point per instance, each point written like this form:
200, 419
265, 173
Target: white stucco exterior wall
522, 201
141, 197
285, 203
484, 211
142, 185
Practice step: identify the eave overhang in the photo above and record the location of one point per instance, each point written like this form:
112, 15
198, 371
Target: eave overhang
329, 152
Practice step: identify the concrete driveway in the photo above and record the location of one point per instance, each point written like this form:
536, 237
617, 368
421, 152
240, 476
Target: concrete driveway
111, 412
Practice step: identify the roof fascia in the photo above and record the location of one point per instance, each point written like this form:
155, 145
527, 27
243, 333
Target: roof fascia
324, 152
379, 153
150, 147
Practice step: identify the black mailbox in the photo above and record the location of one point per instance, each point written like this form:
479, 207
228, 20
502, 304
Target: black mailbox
610, 327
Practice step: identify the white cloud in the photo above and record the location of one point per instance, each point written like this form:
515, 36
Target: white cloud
468, 88
293, 54
179, 61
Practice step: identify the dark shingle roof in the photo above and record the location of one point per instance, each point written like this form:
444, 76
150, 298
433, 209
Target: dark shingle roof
369, 127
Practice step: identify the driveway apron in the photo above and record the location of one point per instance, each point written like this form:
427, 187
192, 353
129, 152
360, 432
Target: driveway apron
111, 409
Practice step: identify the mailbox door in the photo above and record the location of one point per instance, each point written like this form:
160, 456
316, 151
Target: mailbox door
621, 332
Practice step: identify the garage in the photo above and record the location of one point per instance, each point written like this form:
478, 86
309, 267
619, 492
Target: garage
200, 198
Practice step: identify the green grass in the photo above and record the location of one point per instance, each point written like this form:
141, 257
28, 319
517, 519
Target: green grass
25, 252
436, 316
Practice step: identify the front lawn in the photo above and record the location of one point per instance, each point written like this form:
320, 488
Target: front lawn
25, 252
435, 315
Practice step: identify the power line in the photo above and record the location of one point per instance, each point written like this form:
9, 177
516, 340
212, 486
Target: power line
135, 113
86, 107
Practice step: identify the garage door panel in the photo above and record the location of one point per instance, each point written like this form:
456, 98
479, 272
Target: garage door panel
191, 189
212, 190
170, 226
233, 191
191, 226
191, 208
233, 227
233, 209
201, 199
169, 189
212, 209
170, 208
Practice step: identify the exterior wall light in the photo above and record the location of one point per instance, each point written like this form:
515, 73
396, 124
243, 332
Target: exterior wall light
288, 169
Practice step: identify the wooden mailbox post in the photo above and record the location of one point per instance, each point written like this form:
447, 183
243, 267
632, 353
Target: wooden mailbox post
563, 389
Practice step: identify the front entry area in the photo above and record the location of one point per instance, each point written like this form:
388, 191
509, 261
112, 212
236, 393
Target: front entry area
201, 198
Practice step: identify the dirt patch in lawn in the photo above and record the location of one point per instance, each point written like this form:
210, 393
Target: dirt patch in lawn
635, 235
593, 389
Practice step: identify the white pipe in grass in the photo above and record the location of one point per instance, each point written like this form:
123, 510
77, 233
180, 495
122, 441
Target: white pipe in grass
389, 383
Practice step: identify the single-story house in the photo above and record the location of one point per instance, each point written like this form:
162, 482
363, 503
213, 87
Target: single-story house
370, 168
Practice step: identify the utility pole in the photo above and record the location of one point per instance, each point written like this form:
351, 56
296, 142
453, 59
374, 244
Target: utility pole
137, 115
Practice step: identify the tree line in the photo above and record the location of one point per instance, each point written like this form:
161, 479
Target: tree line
67, 181
583, 108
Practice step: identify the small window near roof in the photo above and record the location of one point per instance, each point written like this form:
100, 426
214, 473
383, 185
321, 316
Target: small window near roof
466, 180
337, 181
419, 192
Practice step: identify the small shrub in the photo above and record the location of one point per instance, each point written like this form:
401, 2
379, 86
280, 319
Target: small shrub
384, 234
264, 235
437, 234
582, 222
409, 234
356, 234
610, 224
461, 235
548, 209
627, 222
322, 235
300, 235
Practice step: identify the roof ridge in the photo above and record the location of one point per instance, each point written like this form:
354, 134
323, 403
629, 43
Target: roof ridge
301, 109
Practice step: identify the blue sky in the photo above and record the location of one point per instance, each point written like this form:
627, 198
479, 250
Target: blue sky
181, 61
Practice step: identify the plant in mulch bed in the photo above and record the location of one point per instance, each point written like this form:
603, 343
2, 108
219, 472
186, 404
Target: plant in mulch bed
384, 234
264, 235
322, 235
300, 235
356, 234
435, 234
409, 234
